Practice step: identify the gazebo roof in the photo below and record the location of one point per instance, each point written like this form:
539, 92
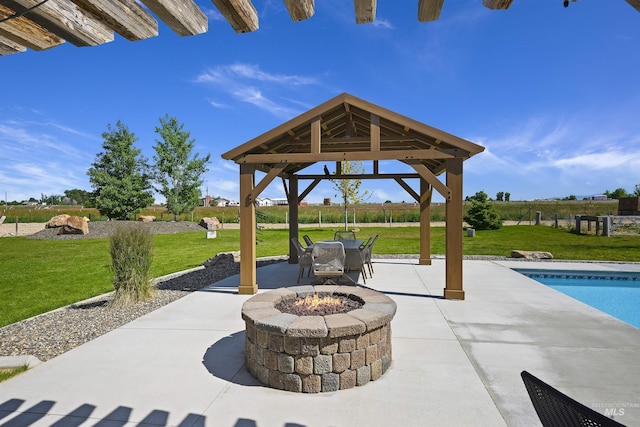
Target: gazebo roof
349, 128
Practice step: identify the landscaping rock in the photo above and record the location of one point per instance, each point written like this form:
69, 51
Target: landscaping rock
531, 254
57, 221
210, 223
75, 225
146, 218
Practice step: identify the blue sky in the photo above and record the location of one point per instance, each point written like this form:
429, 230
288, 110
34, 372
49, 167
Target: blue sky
552, 94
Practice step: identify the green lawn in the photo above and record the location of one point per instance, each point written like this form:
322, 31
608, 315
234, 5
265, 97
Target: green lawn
40, 275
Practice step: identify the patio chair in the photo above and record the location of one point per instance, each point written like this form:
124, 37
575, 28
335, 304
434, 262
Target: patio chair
344, 235
327, 259
367, 252
304, 258
354, 261
307, 240
557, 409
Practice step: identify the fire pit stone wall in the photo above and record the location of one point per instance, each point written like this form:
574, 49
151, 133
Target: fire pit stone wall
312, 354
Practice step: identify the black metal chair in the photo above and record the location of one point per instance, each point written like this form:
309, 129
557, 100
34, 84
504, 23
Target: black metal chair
307, 240
556, 409
304, 258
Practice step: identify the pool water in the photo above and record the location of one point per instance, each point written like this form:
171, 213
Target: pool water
612, 293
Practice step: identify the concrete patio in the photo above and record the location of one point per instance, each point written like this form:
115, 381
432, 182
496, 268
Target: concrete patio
455, 363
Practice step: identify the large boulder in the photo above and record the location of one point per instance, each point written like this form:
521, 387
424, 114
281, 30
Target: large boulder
531, 254
210, 223
57, 221
223, 258
146, 218
75, 225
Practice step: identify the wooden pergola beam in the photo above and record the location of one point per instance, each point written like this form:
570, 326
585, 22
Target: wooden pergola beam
635, 3
25, 32
125, 17
365, 11
344, 156
300, 10
65, 19
311, 186
7, 47
497, 4
428, 176
184, 17
429, 10
271, 175
241, 14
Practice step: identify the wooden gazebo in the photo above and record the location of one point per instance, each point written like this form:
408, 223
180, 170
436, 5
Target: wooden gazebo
347, 128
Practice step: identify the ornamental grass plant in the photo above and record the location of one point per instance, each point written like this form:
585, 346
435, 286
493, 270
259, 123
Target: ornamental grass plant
131, 251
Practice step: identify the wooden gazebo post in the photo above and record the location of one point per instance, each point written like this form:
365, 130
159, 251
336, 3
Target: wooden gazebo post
425, 222
453, 288
248, 285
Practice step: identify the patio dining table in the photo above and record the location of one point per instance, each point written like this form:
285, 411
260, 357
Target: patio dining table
349, 245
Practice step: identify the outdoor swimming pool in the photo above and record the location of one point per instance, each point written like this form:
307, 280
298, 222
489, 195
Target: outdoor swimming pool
615, 293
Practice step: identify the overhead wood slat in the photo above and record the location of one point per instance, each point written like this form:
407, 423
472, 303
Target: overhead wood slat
365, 11
125, 17
64, 19
429, 10
184, 17
26, 32
7, 47
497, 4
241, 14
635, 3
299, 10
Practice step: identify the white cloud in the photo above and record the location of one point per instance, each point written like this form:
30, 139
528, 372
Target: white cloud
249, 84
383, 23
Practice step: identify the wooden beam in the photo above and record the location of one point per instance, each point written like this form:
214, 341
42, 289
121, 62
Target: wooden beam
26, 32
184, 17
343, 156
364, 176
426, 191
408, 189
429, 10
316, 134
284, 185
300, 10
293, 218
248, 283
308, 189
453, 250
64, 19
125, 17
375, 132
635, 3
428, 176
7, 47
365, 11
273, 172
240, 13
497, 4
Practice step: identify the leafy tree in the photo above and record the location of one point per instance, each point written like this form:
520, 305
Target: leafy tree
570, 197
500, 196
618, 193
348, 188
482, 214
507, 196
120, 175
81, 197
178, 174
636, 192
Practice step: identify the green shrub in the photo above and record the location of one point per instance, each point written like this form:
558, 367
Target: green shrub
482, 214
131, 250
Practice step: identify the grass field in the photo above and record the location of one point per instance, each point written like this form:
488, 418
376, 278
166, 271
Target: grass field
40, 275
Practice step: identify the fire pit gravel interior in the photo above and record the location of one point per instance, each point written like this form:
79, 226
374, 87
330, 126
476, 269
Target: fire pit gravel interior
318, 353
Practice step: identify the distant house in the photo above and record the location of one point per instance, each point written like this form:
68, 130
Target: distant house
280, 201
232, 203
598, 197
264, 202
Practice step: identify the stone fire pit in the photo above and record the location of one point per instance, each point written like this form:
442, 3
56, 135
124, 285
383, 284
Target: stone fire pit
312, 354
